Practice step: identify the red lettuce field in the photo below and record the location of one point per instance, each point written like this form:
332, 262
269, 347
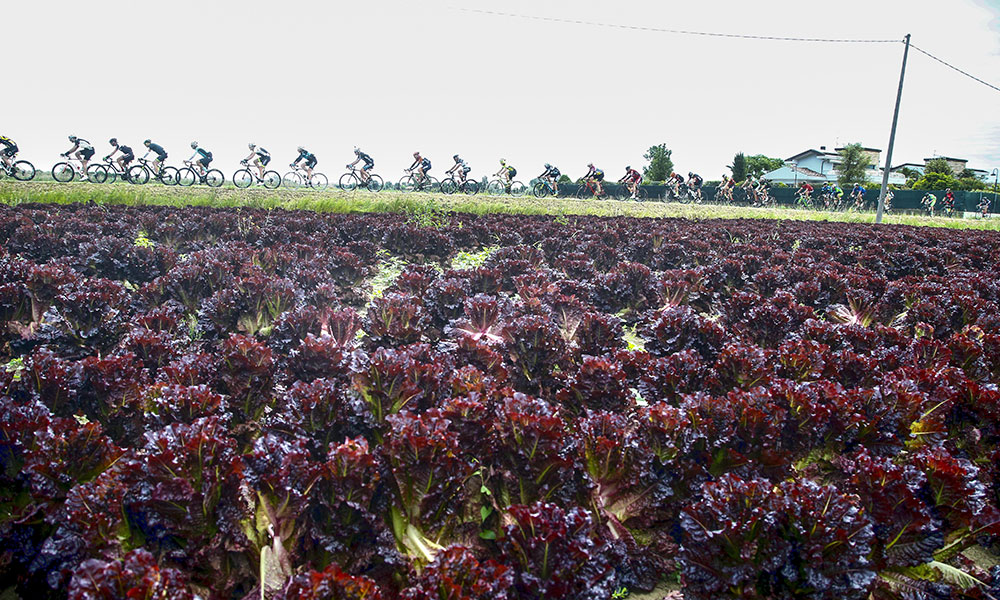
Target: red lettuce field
233, 404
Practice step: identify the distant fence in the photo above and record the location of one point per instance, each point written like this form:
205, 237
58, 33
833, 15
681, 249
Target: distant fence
902, 199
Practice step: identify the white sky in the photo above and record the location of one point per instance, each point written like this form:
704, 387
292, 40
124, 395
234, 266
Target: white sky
394, 77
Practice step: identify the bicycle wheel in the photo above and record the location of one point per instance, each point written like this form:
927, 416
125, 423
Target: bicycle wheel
138, 175
272, 180
448, 186
97, 173
470, 187
170, 176
318, 181
186, 177
292, 180
540, 190
495, 188
63, 172
243, 178
407, 183
113, 173
640, 194
583, 192
348, 182
375, 183
23, 170
518, 189
215, 178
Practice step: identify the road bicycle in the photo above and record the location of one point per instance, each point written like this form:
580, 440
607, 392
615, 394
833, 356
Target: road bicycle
141, 173
418, 183
244, 178
466, 186
803, 200
724, 196
298, 177
115, 172
353, 180
190, 175
589, 189
624, 193
20, 170
544, 188
686, 195
499, 187
66, 171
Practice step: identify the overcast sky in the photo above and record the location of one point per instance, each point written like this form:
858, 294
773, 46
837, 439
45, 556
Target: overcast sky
394, 77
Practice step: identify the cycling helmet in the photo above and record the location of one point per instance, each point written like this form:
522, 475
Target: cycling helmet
72, 138
194, 145
690, 174
113, 141
252, 146
548, 166
300, 149
503, 161
147, 142
357, 150
628, 168
591, 165
455, 157
416, 155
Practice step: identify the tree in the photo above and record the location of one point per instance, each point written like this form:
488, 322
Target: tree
938, 165
854, 163
912, 175
660, 163
739, 167
758, 164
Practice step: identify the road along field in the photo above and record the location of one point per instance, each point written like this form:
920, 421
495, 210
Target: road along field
339, 201
238, 402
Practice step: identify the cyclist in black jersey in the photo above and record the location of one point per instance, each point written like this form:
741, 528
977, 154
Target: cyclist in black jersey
123, 160
259, 156
460, 169
308, 160
551, 174
421, 165
597, 176
507, 173
81, 150
161, 154
204, 158
8, 150
368, 166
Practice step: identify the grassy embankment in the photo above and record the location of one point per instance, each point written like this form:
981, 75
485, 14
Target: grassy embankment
338, 201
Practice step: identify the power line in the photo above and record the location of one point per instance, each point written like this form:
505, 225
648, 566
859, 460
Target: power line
953, 67
676, 31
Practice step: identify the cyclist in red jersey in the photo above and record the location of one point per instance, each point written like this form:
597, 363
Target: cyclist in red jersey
631, 179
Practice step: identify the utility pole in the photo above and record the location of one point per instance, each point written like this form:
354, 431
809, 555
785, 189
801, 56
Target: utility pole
892, 136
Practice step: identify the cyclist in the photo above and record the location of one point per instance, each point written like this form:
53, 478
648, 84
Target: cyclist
674, 182
631, 179
83, 151
369, 164
888, 200
551, 174
858, 195
161, 154
805, 193
123, 160
202, 163
9, 150
750, 189
763, 194
929, 201
726, 187
597, 176
460, 169
984, 206
260, 158
506, 173
308, 161
421, 165
694, 184
949, 201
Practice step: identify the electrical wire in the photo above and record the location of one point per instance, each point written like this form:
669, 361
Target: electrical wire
953, 67
677, 31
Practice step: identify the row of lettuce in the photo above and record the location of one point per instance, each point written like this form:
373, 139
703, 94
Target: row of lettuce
236, 403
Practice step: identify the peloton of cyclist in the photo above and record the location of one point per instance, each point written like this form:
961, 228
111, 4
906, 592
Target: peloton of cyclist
506, 173
202, 163
631, 179
81, 150
369, 164
161, 154
421, 165
597, 176
127, 155
551, 174
260, 157
9, 150
460, 169
308, 160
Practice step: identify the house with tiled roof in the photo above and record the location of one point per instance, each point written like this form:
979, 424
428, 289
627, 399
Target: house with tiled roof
819, 166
